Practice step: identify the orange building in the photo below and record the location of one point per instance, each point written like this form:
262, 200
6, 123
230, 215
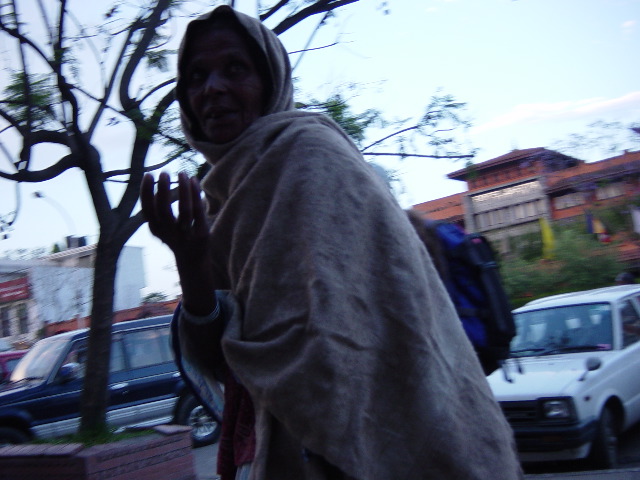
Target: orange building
508, 195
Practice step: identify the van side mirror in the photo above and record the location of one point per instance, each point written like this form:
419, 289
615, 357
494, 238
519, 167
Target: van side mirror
592, 364
68, 372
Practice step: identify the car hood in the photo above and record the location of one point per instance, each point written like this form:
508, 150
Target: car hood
535, 377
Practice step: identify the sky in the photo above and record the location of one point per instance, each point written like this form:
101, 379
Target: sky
531, 72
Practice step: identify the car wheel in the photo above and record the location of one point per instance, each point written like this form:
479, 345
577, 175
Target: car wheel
604, 450
205, 430
12, 436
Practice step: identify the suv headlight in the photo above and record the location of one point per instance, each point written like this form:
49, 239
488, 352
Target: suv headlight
557, 408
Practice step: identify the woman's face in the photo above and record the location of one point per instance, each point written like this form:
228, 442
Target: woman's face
224, 89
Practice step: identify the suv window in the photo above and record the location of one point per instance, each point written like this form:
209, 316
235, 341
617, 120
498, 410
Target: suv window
117, 355
148, 347
630, 323
78, 354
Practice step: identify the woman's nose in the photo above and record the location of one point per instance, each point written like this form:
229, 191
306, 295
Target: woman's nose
214, 83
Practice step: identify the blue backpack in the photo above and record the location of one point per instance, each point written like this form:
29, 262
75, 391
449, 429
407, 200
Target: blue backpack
467, 266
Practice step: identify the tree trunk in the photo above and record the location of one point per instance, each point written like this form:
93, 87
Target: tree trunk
95, 395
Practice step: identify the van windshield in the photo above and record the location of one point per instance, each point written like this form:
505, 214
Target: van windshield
565, 329
40, 359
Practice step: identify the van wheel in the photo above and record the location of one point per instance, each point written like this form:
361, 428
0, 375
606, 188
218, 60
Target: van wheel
604, 450
205, 430
12, 436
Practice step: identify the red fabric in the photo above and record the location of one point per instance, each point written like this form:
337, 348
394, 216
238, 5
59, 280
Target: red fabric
237, 443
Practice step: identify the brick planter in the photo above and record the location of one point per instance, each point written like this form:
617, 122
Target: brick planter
163, 454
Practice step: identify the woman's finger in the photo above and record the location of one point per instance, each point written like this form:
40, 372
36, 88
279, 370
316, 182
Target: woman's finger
199, 218
185, 204
147, 200
163, 200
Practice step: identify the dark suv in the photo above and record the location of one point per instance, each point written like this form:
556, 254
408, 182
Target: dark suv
42, 398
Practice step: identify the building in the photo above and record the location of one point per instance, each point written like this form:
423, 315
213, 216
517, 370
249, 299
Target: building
508, 195
57, 289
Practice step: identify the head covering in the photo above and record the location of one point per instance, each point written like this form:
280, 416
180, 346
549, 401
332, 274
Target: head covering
275, 56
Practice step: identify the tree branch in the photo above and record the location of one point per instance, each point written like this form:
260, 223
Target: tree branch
102, 103
419, 155
321, 6
36, 176
149, 26
142, 143
399, 132
273, 10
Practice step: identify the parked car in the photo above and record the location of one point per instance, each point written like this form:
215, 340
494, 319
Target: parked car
8, 361
42, 398
573, 384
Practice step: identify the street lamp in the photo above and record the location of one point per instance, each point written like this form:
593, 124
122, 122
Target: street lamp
60, 210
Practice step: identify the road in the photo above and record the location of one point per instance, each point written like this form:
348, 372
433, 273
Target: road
629, 452
629, 468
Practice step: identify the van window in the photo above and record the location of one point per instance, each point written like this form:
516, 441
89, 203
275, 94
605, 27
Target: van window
630, 324
148, 347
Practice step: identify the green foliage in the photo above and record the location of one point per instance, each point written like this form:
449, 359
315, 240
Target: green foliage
31, 95
616, 219
336, 107
95, 437
154, 297
580, 263
159, 59
585, 263
527, 246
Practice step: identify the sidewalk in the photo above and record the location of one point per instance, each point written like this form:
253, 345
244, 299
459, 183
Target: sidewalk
205, 465
621, 474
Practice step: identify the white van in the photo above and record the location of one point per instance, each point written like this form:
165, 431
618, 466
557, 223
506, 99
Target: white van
573, 382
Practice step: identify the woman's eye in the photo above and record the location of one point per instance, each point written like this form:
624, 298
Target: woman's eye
195, 77
236, 68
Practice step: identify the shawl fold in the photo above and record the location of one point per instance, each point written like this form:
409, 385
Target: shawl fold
343, 334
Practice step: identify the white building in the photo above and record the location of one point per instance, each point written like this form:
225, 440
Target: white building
58, 287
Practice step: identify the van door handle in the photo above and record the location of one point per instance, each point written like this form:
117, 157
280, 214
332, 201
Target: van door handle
119, 386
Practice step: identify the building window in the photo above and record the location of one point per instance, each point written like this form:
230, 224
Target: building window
23, 321
610, 191
5, 324
569, 200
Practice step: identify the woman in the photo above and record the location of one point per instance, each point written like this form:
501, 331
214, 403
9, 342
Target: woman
338, 336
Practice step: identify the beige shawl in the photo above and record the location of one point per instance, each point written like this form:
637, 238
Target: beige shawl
343, 334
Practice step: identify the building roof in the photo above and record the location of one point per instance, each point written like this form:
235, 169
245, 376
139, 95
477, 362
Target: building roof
512, 157
71, 252
449, 208
586, 173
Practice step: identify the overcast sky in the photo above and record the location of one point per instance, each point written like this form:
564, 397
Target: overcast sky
530, 71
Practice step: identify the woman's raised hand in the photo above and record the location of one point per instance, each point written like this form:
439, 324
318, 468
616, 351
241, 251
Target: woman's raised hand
185, 234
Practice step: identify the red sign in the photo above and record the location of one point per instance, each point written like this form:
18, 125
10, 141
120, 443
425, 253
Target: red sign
13, 290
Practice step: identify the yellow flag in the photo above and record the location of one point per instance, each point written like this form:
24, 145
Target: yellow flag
547, 238
598, 227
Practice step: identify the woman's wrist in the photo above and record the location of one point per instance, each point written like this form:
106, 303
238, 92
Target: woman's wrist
201, 319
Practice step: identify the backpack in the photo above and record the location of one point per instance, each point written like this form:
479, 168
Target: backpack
467, 266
